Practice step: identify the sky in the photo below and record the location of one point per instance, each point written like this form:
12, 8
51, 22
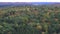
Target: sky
29, 0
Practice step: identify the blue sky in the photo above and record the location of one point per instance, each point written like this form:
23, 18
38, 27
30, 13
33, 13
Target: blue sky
29, 0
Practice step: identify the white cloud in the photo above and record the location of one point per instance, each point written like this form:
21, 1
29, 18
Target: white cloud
29, 0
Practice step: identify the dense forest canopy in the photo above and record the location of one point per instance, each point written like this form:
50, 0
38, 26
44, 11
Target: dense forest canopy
30, 19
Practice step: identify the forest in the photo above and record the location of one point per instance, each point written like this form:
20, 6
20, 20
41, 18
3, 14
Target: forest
37, 19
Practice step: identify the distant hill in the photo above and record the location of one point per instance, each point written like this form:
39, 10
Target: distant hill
5, 4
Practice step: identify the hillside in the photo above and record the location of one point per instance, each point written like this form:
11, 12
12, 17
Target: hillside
28, 18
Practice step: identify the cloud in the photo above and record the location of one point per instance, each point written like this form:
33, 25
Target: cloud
29, 0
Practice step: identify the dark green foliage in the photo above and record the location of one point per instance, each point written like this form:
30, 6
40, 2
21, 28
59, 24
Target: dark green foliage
30, 20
